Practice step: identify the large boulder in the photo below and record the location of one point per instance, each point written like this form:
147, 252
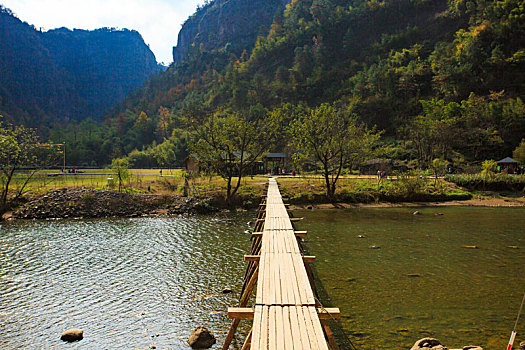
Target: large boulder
201, 338
73, 334
428, 343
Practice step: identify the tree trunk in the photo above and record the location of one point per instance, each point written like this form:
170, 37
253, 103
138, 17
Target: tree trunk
228, 190
329, 193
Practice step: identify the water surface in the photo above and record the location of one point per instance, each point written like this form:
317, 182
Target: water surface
462, 296
132, 283
129, 283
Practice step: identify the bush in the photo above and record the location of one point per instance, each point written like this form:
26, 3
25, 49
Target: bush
498, 182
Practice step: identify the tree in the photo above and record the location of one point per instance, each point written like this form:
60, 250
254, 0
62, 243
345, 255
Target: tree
333, 139
18, 149
488, 167
120, 167
519, 152
228, 143
438, 166
165, 153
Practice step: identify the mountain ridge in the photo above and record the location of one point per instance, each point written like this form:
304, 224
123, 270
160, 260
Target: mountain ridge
61, 74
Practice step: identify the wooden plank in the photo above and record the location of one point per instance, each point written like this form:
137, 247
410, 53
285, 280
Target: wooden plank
241, 313
272, 338
288, 339
256, 328
279, 327
252, 258
314, 344
303, 329
264, 328
296, 332
321, 341
329, 313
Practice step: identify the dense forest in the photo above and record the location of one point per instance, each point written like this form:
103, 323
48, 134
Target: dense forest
442, 79
54, 77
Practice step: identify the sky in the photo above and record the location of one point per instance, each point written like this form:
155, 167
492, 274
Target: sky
158, 21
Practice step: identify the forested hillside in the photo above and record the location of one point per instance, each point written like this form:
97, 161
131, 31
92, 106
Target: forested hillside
442, 78
64, 75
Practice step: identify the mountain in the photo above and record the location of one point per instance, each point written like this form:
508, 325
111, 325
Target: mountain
442, 78
221, 22
62, 75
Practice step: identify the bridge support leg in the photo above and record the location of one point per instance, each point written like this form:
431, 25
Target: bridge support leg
242, 303
329, 335
248, 342
231, 333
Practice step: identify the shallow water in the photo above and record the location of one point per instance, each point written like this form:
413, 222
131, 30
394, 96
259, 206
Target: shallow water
126, 280
122, 281
462, 296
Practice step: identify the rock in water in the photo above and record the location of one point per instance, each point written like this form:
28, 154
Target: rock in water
201, 338
227, 290
73, 334
416, 213
427, 343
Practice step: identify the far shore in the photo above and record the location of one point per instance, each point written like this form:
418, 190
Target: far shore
475, 202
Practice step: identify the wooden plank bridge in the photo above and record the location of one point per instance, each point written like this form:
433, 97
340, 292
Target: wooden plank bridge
287, 313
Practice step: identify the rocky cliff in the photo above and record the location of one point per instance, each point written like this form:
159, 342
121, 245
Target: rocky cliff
67, 74
222, 22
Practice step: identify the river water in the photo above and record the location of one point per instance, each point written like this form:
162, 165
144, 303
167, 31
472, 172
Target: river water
132, 283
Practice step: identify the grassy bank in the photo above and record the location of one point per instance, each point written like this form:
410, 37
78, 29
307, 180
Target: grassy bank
301, 190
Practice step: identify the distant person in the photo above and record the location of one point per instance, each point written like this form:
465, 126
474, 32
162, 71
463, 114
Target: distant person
160, 172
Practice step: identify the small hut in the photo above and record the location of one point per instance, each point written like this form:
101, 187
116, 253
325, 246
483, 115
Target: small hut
508, 165
275, 162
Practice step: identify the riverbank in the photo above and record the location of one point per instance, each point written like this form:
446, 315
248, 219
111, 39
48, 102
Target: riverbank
474, 202
90, 203
94, 203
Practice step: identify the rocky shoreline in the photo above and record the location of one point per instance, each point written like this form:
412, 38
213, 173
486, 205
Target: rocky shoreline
89, 203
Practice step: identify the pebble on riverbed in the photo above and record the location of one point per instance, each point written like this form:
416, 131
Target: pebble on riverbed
72, 335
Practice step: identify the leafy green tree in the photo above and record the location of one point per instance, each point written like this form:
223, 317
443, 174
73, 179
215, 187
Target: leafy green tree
165, 153
228, 143
519, 152
438, 167
488, 168
120, 168
18, 148
333, 139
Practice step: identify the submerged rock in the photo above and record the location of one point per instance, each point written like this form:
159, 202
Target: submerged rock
201, 338
416, 213
72, 335
428, 343
434, 344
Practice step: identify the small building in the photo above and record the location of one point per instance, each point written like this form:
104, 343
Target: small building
191, 163
508, 165
274, 162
